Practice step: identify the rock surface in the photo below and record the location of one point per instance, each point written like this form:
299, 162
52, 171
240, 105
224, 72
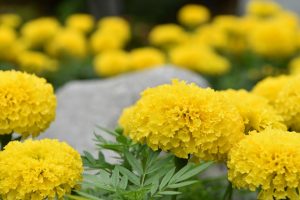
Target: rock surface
84, 104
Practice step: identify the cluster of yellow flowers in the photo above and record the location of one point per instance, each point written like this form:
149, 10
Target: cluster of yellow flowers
247, 130
32, 170
198, 42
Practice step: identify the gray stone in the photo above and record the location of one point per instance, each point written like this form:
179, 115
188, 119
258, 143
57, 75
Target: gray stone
84, 104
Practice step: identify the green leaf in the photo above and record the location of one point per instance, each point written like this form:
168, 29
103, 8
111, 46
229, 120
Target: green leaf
155, 185
122, 139
75, 197
134, 163
182, 184
99, 138
119, 130
151, 158
108, 131
160, 173
89, 157
131, 176
194, 171
123, 183
167, 178
169, 193
89, 196
180, 173
159, 165
101, 156
112, 146
115, 177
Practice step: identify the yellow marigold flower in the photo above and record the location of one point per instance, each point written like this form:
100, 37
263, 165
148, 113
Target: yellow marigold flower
10, 20
235, 29
167, 35
184, 119
146, 57
270, 87
39, 31
193, 15
68, 42
264, 8
294, 66
27, 103
111, 63
263, 41
199, 58
81, 22
229, 24
116, 26
290, 19
103, 41
36, 62
36, 170
269, 160
8, 40
209, 35
287, 103
255, 110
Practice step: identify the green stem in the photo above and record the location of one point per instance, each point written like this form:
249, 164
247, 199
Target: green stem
5, 139
228, 192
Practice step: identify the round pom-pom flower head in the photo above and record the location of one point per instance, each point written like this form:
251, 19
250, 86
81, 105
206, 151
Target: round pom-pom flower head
193, 15
184, 119
270, 87
37, 170
27, 103
269, 160
287, 103
257, 113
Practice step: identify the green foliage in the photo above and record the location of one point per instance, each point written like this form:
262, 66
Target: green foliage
138, 173
71, 69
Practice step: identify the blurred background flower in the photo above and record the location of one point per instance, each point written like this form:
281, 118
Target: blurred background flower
231, 43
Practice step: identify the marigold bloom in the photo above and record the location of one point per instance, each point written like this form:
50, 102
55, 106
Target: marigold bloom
36, 170
103, 41
111, 63
193, 15
39, 31
270, 87
80, 22
27, 103
287, 103
235, 29
167, 35
68, 42
184, 119
263, 41
8, 38
210, 35
199, 58
269, 160
146, 57
10, 20
116, 26
36, 62
263, 8
257, 113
